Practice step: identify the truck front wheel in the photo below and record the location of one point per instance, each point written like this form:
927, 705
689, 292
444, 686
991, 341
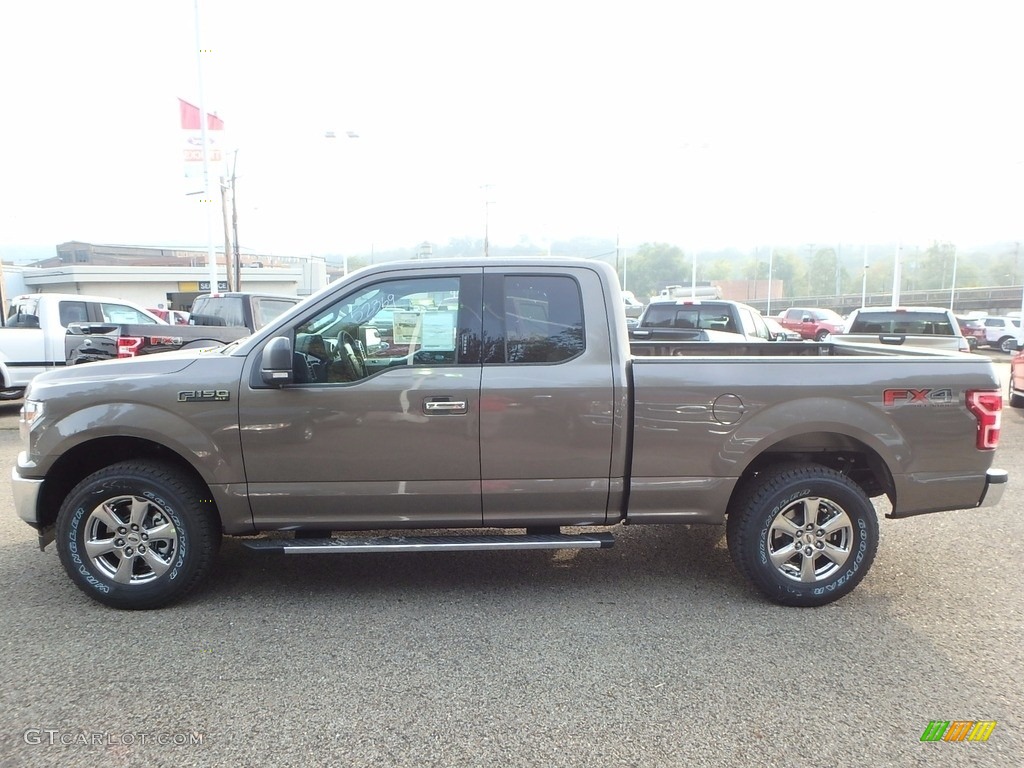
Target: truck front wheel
135, 535
803, 534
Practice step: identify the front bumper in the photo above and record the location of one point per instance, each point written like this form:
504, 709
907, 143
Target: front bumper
25, 491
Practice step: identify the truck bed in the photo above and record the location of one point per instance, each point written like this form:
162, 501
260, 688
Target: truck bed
770, 349
92, 342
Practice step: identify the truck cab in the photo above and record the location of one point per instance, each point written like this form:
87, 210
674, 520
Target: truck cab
32, 339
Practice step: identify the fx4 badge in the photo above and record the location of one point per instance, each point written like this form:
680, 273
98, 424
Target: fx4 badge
202, 395
893, 397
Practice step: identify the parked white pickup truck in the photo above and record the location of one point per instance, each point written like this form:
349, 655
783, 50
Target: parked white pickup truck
32, 337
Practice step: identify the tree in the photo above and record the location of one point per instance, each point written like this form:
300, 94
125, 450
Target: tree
825, 272
717, 269
654, 266
790, 269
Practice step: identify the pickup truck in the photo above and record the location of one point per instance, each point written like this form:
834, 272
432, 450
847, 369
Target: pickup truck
216, 319
32, 339
248, 310
932, 327
497, 407
669, 319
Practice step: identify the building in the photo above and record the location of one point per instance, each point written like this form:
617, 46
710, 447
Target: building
165, 277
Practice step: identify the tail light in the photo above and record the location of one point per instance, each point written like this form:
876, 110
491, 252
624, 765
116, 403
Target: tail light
128, 346
987, 406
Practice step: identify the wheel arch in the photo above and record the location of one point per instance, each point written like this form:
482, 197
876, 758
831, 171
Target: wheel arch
839, 451
85, 458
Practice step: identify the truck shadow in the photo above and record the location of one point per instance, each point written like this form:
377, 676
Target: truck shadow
679, 558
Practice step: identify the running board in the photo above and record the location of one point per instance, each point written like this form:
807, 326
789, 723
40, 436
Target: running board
433, 543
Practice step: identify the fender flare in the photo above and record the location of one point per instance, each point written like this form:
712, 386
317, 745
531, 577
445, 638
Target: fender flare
849, 418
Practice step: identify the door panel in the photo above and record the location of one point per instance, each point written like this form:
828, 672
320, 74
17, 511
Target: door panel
546, 414
367, 454
389, 442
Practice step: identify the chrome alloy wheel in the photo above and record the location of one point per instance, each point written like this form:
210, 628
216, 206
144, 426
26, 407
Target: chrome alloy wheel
810, 539
130, 540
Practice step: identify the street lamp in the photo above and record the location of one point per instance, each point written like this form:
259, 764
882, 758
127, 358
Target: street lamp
329, 136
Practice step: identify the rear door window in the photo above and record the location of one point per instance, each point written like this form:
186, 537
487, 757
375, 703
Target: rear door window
121, 313
533, 319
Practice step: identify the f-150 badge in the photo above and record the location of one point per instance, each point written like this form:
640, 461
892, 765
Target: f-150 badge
202, 395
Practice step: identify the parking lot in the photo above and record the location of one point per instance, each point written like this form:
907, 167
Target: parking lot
653, 653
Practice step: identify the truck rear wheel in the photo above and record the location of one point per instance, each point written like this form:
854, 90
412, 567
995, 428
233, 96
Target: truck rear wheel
803, 534
135, 535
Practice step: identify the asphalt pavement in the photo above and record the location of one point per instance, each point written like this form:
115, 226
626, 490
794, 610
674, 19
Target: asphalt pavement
653, 653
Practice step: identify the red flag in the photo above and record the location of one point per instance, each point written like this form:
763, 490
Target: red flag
192, 145
190, 118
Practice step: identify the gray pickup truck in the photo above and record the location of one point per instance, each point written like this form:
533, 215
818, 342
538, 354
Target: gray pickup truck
671, 319
496, 400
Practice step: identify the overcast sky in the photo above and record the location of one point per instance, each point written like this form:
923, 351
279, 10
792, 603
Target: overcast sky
700, 124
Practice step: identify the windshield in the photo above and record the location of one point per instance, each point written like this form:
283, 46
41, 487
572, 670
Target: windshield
913, 323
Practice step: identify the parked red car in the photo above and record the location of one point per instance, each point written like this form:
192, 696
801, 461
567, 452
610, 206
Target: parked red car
812, 322
172, 316
1016, 388
973, 329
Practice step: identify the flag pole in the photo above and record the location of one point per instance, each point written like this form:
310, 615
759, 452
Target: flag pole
211, 254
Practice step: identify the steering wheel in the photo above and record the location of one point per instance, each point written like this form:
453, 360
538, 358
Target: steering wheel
350, 355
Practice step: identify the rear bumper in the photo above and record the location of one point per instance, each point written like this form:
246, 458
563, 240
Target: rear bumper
995, 484
923, 493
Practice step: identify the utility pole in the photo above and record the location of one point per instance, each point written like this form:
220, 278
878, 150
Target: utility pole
234, 227
211, 255
864, 281
227, 231
487, 218
897, 275
952, 287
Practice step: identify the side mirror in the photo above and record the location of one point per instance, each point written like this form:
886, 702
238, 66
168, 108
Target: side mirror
276, 363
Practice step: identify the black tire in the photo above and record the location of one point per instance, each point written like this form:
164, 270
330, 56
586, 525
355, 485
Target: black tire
1008, 344
822, 335
13, 393
137, 535
768, 518
1015, 400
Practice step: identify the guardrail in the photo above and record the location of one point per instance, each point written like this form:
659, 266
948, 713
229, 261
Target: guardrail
994, 300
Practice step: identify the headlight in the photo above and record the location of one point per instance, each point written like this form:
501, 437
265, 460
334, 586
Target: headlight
31, 412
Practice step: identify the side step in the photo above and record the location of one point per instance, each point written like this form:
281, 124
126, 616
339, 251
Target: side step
434, 543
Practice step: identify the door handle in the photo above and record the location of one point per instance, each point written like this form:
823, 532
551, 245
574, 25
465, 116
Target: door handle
444, 405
